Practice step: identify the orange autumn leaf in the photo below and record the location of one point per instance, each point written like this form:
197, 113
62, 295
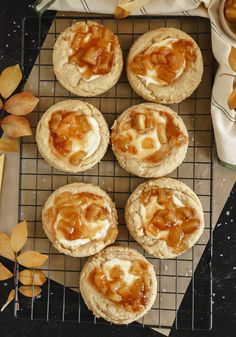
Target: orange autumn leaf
5, 274
16, 126
31, 259
21, 104
11, 297
19, 236
5, 247
32, 277
30, 291
8, 144
1, 104
9, 80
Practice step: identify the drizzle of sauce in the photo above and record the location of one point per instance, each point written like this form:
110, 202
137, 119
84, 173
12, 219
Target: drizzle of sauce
132, 297
93, 50
169, 135
174, 221
165, 61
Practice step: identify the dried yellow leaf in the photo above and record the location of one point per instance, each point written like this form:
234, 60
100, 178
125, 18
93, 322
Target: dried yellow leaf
2, 159
16, 126
121, 13
125, 7
232, 100
31, 259
5, 274
5, 247
8, 144
21, 104
9, 80
19, 236
232, 58
1, 104
11, 297
30, 291
28, 277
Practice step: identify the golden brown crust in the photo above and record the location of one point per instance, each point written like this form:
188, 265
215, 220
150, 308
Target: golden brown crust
100, 305
181, 88
93, 246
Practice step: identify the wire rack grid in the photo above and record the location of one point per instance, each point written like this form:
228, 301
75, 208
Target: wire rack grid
183, 298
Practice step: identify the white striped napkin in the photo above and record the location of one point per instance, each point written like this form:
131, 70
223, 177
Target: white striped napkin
224, 119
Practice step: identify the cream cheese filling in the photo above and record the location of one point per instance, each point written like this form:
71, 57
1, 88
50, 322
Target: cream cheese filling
101, 233
150, 77
90, 141
124, 265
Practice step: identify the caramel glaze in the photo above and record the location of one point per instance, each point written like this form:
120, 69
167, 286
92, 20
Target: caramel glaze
166, 61
178, 222
169, 134
131, 297
93, 50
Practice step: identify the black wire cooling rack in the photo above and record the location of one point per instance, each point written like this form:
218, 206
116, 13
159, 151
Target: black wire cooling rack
184, 297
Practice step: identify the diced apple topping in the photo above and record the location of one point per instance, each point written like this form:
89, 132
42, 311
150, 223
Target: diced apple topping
167, 62
152, 149
93, 50
75, 211
65, 127
175, 221
133, 297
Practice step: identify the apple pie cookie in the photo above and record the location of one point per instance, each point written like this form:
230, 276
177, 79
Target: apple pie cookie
165, 216
149, 140
118, 284
164, 65
72, 136
87, 59
80, 219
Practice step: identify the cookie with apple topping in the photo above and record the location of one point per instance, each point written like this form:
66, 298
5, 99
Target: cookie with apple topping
80, 219
164, 65
165, 216
149, 140
72, 136
87, 59
118, 284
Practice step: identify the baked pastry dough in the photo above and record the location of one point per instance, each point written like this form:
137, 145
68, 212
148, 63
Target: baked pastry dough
80, 219
164, 65
87, 59
118, 284
72, 136
149, 140
165, 216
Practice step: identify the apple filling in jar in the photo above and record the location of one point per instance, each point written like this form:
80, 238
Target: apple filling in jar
148, 136
164, 62
78, 218
93, 48
125, 283
166, 215
73, 136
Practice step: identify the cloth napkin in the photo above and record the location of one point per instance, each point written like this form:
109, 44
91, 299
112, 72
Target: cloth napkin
224, 119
